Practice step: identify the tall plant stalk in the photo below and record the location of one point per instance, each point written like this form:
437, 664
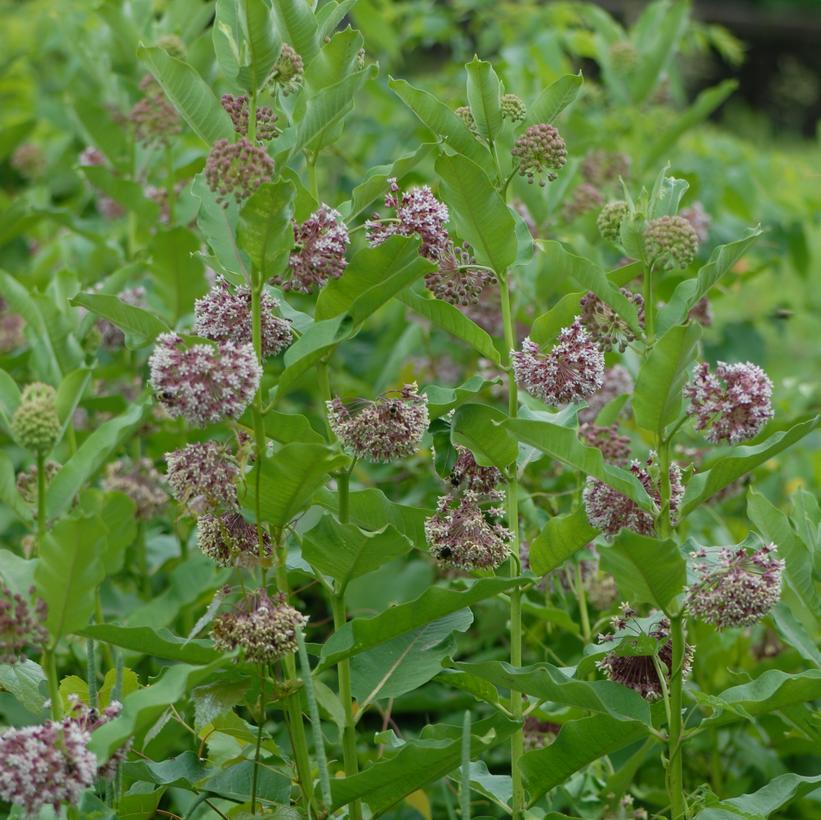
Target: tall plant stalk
41, 500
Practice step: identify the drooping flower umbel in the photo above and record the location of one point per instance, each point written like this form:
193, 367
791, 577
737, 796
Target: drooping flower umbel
203, 476
234, 170
21, 624
202, 383
154, 119
224, 315
732, 404
288, 72
35, 423
617, 382
670, 242
383, 430
318, 255
418, 212
140, 481
264, 628
735, 587
237, 109
466, 115
539, 153
608, 510
457, 279
639, 672
231, 541
605, 327
466, 474
573, 370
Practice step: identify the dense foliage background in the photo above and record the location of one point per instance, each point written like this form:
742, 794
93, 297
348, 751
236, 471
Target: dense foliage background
422, 689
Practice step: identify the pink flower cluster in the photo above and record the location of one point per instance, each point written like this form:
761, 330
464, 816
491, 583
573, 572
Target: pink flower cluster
203, 476
320, 244
606, 328
539, 153
21, 624
457, 279
154, 119
237, 108
234, 170
140, 481
231, 541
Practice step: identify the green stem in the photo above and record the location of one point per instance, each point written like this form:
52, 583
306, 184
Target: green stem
252, 117
582, 598
91, 673
50, 668
142, 560
312, 180
169, 183
258, 414
678, 802
41, 500
649, 306
464, 793
258, 750
299, 742
108, 658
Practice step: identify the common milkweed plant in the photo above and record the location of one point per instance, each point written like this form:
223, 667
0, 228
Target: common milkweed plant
345, 491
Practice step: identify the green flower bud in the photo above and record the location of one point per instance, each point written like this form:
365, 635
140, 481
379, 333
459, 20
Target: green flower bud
35, 423
610, 219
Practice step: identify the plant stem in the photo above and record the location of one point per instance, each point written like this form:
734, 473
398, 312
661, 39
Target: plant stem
313, 185
50, 668
252, 117
260, 725
91, 673
649, 306
678, 803
41, 500
464, 793
259, 425
582, 598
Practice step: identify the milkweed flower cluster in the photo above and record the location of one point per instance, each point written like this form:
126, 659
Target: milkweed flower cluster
318, 255
140, 481
539, 733
22, 624
513, 107
609, 510
701, 312
238, 111
466, 474
639, 672
89, 719
735, 587
573, 370
29, 161
585, 197
234, 170
605, 327
27, 480
466, 115
224, 315
288, 73
617, 382
539, 153
264, 628
154, 119
610, 218
732, 404
203, 476
418, 212
670, 242
90, 157
614, 447
204, 384
384, 430
11, 328
35, 423
600, 167
457, 279
231, 541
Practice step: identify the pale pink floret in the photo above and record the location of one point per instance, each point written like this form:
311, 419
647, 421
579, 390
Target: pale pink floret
320, 243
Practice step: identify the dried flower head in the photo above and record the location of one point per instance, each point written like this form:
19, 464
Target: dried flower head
610, 219
203, 476
318, 255
468, 475
585, 198
539, 153
617, 382
224, 315
418, 212
513, 108
234, 170
231, 541
614, 447
466, 115
383, 430
140, 481
22, 624
640, 672
111, 337
670, 242
606, 328
699, 219
572, 371
457, 279
609, 510
701, 312
289, 71
600, 167
27, 480
204, 384
237, 108
11, 328
733, 404
154, 119
29, 161
35, 423
735, 587
264, 628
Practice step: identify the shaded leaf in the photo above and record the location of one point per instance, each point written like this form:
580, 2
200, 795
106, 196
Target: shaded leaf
159, 643
554, 99
562, 536
476, 426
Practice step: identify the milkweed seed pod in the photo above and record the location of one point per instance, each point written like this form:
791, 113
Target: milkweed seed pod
264, 628
224, 315
732, 404
639, 672
539, 153
22, 624
610, 218
35, 423
608, 510
513, 108
735, 587
457, 280
289, 71
573, 370
384, 430
140, 481
237, 108
231, 541
203, 476
670, 242
201, 383
318, 255
234, 170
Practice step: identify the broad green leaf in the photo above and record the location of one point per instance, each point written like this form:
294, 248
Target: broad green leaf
478, 212
261, 43
545, 681
657, 396
27, 682
579, 743
190, 94
289, 478
139, 805
131, 195
484, 97
141, 326
453, 321
69, 394
297, 27
288, 427
9, 495
546, 327
446, 125
335, 59
264, 231
218, 226
9, 396
794, 634
554, 99
441, 400
177, 270
362, 633
158, 643
562, 443
647, 570
317, 341
480, 688
691, 290
476, 426
226, 35
69, 570
330, 15
432, 756
117, 512
766, 801
183, 770
235, 781
740, 460
559, 539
